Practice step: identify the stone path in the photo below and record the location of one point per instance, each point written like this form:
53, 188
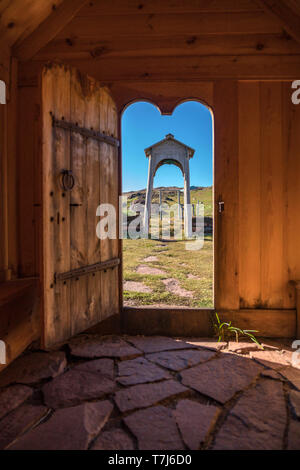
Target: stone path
173, 286
155, 393
135, 286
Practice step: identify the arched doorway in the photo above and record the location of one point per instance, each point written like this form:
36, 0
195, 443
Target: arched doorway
154, 274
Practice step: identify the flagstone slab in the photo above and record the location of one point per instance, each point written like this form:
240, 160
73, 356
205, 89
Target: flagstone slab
12, 397
115, 439
173, 286
294, 435
142, 396
195, 421
243, 347
272, 359
18, 421
221, 378
139, 371
144, 269
67, 429
292, 375
34, 367
155, 428
206, 343
150, 259
294, 397
257, 421
271, 374
76, 386
98, 366
151, 344
134, 286
178, 360
93, 347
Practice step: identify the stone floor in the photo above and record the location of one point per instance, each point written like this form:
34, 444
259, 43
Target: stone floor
153, 393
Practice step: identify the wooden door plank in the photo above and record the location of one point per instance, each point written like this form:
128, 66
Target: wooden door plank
249, 195
78, 287
92, 120
56, 156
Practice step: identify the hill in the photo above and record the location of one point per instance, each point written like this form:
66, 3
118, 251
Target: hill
169, 196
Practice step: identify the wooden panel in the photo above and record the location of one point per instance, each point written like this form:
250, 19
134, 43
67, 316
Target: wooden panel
184, 23
19, 316
178, 69
226, 189
175, 45
76, 304
12, 169
269, 323
78, 237
197, 323
195, 68
167, 6
168, 322
249, 195
273, 262
56, 156
27, 139
108, 194
3, 193
94, 292
165, 95
291, 155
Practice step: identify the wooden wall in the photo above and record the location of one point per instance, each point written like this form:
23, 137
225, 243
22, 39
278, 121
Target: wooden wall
269, 194
257, 175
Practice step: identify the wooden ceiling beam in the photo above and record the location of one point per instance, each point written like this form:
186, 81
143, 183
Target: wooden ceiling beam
179, 45
179, 69
288, 17
48, 29
139, 25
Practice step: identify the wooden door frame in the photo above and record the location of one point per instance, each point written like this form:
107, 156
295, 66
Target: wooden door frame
206, 313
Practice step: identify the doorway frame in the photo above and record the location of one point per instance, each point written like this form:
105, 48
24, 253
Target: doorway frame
131, 314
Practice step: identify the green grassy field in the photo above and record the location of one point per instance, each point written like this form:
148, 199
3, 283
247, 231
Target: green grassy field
189, 272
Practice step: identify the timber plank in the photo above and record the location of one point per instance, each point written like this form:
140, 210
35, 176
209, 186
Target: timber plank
178, 69
26, 181
175, 45
226, 180
167, 6
92, 201
56, 156
78, 212
105, 192
273, 262
169, 24
291, 126
249, 195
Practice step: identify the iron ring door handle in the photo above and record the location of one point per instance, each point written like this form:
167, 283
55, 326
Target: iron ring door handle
67, 180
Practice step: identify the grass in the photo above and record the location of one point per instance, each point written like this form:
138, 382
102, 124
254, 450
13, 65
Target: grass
176, 261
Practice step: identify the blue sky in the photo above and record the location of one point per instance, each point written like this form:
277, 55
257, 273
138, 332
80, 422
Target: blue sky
143, 125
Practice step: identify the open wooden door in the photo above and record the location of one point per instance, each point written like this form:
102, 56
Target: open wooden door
80, 171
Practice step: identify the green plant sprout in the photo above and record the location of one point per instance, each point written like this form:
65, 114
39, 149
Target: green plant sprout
226, 330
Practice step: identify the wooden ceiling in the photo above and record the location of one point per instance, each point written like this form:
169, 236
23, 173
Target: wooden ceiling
144, 39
